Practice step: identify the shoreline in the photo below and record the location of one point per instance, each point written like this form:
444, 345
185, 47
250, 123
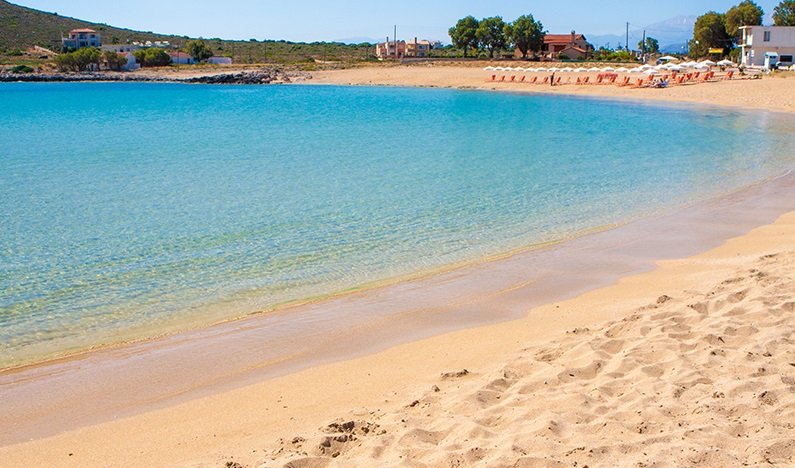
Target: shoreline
173, 413
429, 307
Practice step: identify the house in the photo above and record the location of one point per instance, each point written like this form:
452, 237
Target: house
777, 43
418, 48
574, 46
181, 58
390, 50
216, 60
131, 64
79, 38
121, 48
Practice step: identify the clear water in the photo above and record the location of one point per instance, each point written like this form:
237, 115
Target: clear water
133, 209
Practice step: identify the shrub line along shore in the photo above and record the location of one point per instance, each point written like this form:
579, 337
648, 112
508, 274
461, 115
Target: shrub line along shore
687, 364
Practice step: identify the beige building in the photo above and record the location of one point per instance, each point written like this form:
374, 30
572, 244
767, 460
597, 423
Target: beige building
390, 50
418, 48
762, 46
79, 38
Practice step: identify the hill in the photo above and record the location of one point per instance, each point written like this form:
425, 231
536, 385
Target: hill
22, 28
672, 34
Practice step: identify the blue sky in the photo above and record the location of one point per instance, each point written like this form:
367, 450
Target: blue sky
311, 20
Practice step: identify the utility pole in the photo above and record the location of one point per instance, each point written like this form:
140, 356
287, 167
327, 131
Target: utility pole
627, 43
396, 43
643, 43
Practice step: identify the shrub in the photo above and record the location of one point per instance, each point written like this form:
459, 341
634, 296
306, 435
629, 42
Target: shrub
22, 69
563, 56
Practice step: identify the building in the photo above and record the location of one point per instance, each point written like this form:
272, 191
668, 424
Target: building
121, 48
776, 43
216, 60
574, 46
132, 64
390, 49
79, 38
418, 49
181, 58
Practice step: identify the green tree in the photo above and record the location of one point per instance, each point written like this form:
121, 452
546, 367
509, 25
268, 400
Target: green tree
114, 60
491, 34
652, 45
747, 13
784, 13
463, 34
79, 60
709, 33
199, 50
152, 57
526, 34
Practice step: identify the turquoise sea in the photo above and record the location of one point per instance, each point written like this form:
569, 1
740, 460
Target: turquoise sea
129, 210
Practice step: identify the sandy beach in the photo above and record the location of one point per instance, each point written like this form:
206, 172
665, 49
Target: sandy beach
688, 364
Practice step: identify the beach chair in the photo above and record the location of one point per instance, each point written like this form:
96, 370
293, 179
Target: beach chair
599, 79
522, 80
546, 80
493, 77
681, 79
585, 81
502, 78
729, 75
535, 78
513, 77
558, 80
696, 75
579, 81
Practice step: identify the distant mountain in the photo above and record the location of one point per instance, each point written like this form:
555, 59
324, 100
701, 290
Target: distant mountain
673, 35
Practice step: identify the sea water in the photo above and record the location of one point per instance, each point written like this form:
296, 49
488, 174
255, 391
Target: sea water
130, 210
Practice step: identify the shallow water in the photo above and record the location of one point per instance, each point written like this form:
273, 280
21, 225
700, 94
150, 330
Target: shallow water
134, 209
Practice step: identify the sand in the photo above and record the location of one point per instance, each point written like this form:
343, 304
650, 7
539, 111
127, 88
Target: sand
775, 93
691, 363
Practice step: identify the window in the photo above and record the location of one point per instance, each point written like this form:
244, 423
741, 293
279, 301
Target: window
767, 36
786, 58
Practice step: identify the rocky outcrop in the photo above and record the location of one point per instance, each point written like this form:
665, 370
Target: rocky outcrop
262, 76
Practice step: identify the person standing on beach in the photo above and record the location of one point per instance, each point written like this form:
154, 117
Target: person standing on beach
552, 80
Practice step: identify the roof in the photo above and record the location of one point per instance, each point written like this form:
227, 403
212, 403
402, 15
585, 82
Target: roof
82, 31
578, 49
562, 38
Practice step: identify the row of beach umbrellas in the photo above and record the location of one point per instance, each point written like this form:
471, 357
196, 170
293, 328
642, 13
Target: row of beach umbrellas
706, 64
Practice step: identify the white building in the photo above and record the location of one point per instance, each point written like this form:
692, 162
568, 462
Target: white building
79, 38
121, 48
777, 43
181, 58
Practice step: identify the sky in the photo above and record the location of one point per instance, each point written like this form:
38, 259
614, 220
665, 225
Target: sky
330, 20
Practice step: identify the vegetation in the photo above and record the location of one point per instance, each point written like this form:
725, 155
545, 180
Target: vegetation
747, 13
113, 60
79, 60
651, 46
784, 13
491, 34
22, 69
464, 34
152, 57
710, 33
526, 34
199, 50
22, 28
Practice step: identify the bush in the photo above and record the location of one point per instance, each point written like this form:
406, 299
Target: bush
79, 60
152, 57
563, 56
113, 60
22, 69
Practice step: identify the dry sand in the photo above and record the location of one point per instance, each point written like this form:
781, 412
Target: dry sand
692, 363
775, 93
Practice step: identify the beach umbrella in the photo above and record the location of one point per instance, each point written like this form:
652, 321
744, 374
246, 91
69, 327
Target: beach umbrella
645, 67
675, 68
554, 69
499, 69
708, 63
608, 69
567, 70
622, 69
726, 63
530, 69
594, 69
580, 70
669, 58
634, 70
541, 69
489, 68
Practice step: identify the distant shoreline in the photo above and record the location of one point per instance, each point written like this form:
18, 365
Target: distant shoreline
270, 75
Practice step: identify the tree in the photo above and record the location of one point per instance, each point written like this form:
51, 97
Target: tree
152, 57
709, 33
79, 60
527, 34
199, 50
652, 45
463, 34
747, 13
114, 60
491, 34
784, 13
